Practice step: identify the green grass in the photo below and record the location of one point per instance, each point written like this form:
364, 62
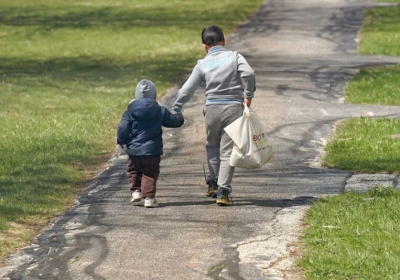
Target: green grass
365, 145
353, 236
380, 86
380, 33
68, 69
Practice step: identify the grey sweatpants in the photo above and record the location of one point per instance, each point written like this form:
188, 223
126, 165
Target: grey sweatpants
219, 144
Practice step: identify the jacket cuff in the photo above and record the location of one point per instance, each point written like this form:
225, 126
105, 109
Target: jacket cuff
249, 95
176, 111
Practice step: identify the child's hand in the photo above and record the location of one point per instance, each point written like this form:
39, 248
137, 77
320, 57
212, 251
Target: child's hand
181, 116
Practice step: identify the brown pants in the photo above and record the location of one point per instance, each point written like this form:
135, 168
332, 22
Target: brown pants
143, 174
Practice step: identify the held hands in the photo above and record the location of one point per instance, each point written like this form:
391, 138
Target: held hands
180, 115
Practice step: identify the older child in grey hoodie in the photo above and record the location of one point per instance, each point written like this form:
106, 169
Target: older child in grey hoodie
230, 82
140, 129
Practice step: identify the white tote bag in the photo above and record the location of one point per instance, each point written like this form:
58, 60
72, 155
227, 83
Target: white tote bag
251, 148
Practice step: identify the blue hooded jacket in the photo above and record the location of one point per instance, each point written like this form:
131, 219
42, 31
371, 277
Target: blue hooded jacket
140, 128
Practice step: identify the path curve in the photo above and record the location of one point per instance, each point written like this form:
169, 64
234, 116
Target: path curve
303, 53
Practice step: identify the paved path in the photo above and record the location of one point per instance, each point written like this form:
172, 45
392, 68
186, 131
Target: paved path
303, 53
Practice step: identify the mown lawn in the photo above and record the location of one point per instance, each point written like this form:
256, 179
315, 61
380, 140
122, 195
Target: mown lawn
67, 71
353, 235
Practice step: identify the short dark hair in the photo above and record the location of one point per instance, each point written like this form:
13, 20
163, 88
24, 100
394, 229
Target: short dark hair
212, 35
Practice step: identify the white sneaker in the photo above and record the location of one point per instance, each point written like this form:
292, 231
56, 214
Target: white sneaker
150, 202
136, 196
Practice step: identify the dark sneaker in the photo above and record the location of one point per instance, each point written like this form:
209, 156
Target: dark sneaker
224, 198
212, 189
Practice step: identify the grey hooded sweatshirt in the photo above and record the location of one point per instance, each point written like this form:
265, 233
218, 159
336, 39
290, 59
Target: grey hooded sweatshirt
227, 75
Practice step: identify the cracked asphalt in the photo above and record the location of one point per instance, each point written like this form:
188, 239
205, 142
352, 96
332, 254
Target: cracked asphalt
303, 53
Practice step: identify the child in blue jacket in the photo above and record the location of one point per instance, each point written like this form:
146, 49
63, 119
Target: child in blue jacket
140, 129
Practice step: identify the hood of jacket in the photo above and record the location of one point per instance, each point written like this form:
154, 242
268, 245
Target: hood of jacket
144, 109
146, 89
